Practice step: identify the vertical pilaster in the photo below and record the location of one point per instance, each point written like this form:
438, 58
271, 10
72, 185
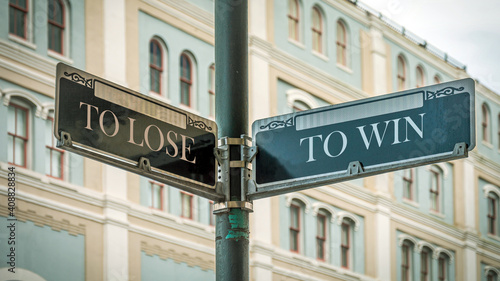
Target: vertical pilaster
469, 211
115, 180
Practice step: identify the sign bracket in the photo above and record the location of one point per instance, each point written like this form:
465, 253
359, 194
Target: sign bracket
355, 168
144, 164
225, 164
460, 150
65, 140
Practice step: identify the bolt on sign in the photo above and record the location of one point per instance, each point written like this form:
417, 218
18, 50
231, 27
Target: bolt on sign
365, 137
109, 123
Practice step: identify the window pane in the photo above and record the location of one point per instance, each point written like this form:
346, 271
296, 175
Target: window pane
47, 161
19, 152
186, 205
157, 194
155, 80
185, 93
10, 149
12, 20
11, 125
20, 23
55, 38
56, 163
21, 122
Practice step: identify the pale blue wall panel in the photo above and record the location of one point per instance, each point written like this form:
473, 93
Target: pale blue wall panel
54, 255
153, 268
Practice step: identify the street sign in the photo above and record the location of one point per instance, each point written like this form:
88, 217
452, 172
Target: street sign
362, 138
109, 123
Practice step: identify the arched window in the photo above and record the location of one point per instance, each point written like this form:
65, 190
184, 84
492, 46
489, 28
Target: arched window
420, 77
18, 134
299, 106
401, 69
54, 157
492, 276
346, 245
443, 262
437, 80
322, 241
425, 264
293, 19
406, 261
155, 66
341, 43
211, 89
186, 79
436, 188
295, 226
486, 122
498, 134
317, 30
56, 25
492, 216
18, 18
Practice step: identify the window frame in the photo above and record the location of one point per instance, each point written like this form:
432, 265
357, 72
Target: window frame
317, 31
401, 73
191, 198
52, 149
436, 176
25, 12
321, 238
294, 20
442, 268
425, 258
62, 27
153, 67
406, 261
420, 76
186, 81
492, 214
341, 43
410, 183
295, 231
211, 90
15, 135
485, 114
161, 187
345, 246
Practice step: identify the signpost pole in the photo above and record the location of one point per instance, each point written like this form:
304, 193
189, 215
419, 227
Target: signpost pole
231, 114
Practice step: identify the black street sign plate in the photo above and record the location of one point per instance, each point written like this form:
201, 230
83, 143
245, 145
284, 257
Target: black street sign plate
109, 123
361, 138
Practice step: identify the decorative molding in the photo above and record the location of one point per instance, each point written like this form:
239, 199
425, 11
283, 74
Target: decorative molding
344, 214
9, 93
77, 78
47, 220
297, 196
320, 205
438, 251
204, 264
448, 91
199, 124
487, 188
489, 268
421, 244
276, 124
404, 237
293, 95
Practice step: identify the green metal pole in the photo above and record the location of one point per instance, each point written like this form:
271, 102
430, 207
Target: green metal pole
231, 115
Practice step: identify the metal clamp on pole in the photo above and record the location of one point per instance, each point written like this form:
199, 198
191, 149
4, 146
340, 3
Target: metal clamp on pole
225, 206
223, 154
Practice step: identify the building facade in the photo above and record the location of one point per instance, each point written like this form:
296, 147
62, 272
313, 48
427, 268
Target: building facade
90, 221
